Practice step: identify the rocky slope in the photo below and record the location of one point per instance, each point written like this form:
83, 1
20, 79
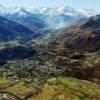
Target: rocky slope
76, 50
84, 35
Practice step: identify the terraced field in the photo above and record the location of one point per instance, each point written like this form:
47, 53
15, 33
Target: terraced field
56, 88
17, 90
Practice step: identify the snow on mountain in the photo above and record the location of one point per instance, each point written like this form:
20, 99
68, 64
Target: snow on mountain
48, 11
87, 12
2, 10
63, 16
53, 17
66, 11
15, 10
19, 11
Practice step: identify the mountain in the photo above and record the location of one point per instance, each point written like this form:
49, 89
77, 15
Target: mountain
92, 23
41, 18
89, 32
26, 18
84, 36
2, 10
31, 21
23, 16
68, 10
76, 50
60, 17
10, 30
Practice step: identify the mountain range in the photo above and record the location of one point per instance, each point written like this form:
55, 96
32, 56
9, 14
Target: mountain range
53, 18
39, 48
38, 22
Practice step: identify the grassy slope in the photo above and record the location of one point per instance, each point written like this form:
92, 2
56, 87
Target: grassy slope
4, 83
62, 88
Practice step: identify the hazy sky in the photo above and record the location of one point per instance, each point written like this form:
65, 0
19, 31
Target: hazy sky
94, 4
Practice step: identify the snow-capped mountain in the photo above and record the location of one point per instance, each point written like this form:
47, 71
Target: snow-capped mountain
48, 11
2, 10
51, 17
63, 16
17, 10
66, 11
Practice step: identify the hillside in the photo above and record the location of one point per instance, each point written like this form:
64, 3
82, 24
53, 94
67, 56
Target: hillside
64, 65
10, 30
85, 35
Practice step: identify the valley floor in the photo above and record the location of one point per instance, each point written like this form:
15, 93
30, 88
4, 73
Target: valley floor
52, 75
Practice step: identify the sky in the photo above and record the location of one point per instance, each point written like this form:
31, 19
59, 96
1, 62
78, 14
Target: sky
92, 4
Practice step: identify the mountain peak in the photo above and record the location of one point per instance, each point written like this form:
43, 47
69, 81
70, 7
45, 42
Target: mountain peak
96, 18
68, 10
17, 10
92, 23
2, 9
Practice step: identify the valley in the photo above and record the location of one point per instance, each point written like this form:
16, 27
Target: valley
40, 60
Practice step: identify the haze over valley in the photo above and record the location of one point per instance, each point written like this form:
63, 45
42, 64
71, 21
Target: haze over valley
49, 53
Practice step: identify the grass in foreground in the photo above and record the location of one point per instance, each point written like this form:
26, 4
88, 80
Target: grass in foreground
20, 90
63, 88
4, 83
59, 88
